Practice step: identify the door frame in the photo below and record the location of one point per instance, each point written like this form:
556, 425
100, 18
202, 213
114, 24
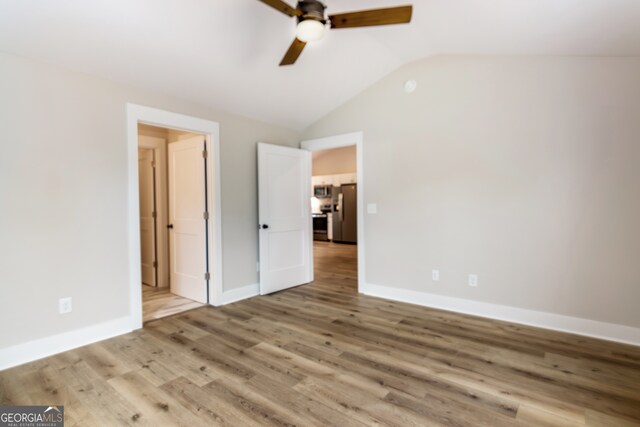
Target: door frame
211, 130
162, 236
339, 141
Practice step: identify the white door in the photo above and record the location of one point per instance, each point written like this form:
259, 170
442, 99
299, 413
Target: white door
146, 180
187, 224
286, 236
159, 148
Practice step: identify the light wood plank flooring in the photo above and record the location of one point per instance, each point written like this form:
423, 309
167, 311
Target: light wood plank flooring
322, 355
159, 302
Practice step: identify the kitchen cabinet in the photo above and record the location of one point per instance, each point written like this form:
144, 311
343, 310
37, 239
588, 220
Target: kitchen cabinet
344, 178
335, 180
322, 180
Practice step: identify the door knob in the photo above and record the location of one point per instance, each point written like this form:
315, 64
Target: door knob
265, 226
170, 226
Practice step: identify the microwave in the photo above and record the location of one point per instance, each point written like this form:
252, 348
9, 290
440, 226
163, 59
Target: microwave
322, 191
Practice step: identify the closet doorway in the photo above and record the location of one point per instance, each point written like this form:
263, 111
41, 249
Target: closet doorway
173, 220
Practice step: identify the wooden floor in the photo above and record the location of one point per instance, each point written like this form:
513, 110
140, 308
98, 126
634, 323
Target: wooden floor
159, 302
322, 355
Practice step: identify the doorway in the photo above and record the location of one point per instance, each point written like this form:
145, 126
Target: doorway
334, 210
174, 213
173, 220
285, 221
341, 262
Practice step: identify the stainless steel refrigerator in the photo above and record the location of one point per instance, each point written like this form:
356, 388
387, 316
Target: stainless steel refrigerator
345, 214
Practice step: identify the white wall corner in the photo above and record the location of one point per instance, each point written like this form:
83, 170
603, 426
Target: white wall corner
574, 325
244, 292
48, 346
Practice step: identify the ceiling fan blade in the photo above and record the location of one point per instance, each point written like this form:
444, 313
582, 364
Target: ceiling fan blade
294, 51
282, 7
368, 18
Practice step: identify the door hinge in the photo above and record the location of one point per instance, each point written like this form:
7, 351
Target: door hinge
155, 264
204, 154
153, 164
206, 216
154, 214
207, 276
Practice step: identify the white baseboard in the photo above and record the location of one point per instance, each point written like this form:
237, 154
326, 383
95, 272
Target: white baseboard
48, 346
40, 348
244, 292
558, 322
43, 347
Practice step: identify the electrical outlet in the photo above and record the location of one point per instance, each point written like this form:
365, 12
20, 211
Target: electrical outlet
473, 280
64, 305
435, 275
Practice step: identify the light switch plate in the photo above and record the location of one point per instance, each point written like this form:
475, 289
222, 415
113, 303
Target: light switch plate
473, 280
372, 208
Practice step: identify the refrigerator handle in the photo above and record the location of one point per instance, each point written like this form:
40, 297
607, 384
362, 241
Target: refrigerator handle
340, 206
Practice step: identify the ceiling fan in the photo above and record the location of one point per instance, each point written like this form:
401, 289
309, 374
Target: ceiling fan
312, 21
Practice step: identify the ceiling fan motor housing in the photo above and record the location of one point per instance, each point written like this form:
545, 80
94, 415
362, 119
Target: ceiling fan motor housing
311, 9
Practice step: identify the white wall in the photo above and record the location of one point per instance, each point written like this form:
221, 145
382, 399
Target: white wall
523, 170
63, 196
334, 161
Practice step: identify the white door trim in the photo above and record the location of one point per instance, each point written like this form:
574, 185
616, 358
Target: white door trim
152, 116
346, 140
159, 146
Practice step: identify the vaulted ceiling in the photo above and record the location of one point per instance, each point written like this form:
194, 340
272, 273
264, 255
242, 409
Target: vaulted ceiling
225, 53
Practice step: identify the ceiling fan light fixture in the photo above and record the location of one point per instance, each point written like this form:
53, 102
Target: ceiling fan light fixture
309, 30
312, 21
